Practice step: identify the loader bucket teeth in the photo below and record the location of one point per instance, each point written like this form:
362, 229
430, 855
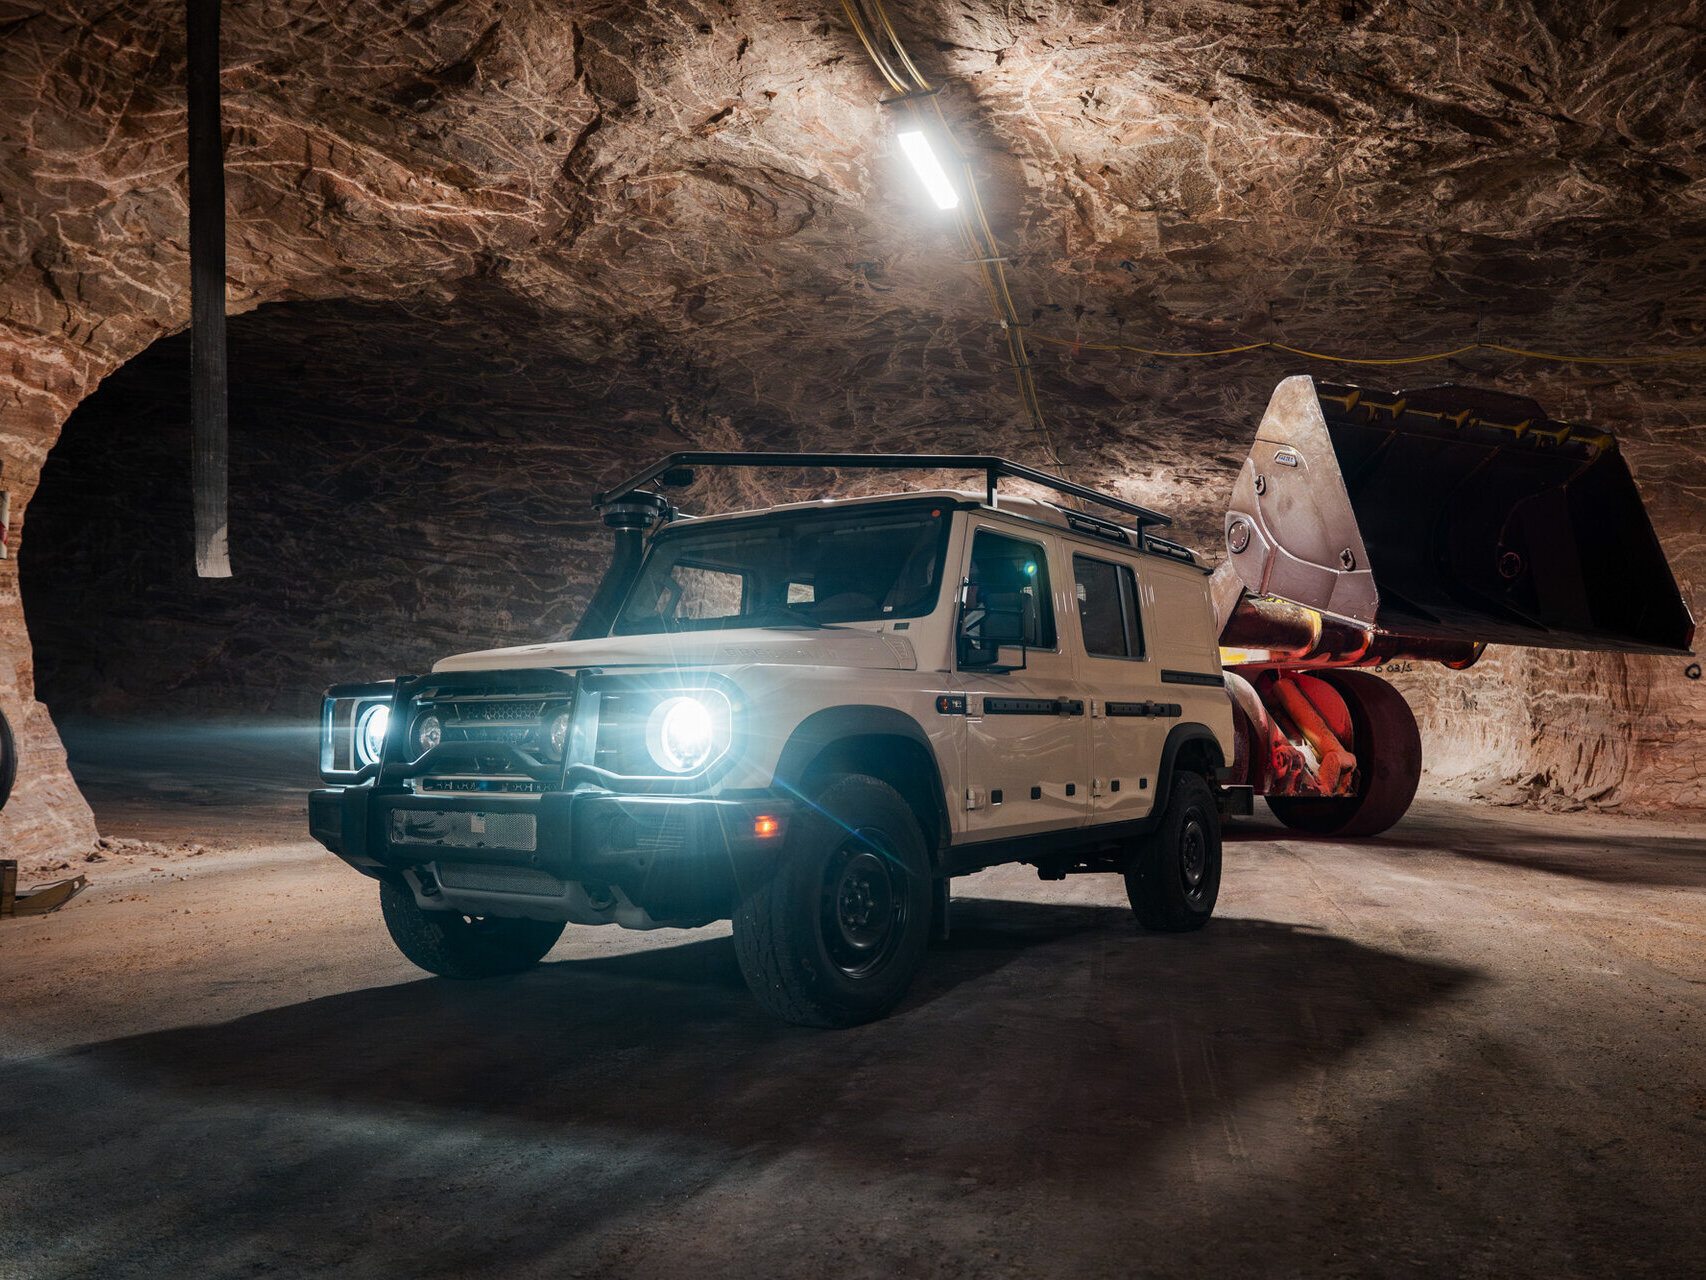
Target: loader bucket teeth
1451, 514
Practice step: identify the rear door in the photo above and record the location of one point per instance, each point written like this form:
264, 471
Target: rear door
1129, 713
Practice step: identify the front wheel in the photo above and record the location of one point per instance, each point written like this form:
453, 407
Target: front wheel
1173, 875
453, 945
836, 934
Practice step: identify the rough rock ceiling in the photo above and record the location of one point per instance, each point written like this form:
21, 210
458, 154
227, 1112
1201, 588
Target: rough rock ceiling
717, 180
703, 202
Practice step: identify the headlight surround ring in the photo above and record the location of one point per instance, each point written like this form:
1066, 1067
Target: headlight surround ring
686, 732
372, 726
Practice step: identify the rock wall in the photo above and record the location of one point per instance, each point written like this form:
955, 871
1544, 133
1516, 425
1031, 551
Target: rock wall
691, 215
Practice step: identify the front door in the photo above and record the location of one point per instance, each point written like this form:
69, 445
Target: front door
1027, 745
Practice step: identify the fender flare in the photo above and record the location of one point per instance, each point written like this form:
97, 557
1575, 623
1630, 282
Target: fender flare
1178, 737
823, 729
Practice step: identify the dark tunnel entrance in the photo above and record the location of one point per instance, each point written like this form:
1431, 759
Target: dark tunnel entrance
405, 483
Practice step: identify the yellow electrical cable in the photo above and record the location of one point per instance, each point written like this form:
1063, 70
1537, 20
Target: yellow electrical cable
1146, 351
1662, 358
977, 238
1421, 359
1315, 355
865, 38
899, 49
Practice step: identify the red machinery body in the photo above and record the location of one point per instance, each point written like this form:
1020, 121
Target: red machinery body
1370, 527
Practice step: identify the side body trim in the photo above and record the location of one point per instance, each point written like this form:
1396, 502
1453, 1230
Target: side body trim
1215, 681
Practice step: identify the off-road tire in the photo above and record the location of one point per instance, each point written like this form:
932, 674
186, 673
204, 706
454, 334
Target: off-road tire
1172, 877
1388, 748
458, 946
835, 935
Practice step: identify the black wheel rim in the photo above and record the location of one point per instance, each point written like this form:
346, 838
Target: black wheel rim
1193, 856
864, 906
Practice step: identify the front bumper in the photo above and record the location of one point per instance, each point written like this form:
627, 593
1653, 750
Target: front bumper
674, 858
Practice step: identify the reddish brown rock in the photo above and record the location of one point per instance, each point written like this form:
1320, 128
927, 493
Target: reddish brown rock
614, 228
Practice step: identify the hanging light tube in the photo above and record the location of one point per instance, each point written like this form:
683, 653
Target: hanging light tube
930, 173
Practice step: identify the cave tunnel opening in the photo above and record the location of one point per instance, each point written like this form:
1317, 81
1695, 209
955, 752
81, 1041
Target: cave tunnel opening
406, 482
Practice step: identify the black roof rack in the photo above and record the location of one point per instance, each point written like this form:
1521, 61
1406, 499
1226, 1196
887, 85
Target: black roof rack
993, 469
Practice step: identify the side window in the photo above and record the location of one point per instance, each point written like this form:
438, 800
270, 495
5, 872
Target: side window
1107, 608
1009, 574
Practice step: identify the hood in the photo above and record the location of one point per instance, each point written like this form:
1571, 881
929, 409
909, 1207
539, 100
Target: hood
751, 646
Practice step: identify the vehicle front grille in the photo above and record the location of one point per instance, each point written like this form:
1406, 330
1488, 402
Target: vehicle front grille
500, 719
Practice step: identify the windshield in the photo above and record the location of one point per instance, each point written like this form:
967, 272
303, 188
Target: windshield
806, 569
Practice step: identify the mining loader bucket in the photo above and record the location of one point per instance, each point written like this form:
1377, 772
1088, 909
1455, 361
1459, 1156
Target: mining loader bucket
1451, 514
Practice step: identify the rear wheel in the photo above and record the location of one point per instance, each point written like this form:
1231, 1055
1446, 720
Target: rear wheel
837, 933
453, 945
1173, 875
1388, 748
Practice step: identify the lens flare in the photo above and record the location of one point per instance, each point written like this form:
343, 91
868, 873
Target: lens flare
681, 734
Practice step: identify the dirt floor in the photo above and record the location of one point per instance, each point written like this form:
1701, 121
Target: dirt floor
1471, 1048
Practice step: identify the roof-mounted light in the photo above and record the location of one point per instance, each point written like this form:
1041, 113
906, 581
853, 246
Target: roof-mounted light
930, 172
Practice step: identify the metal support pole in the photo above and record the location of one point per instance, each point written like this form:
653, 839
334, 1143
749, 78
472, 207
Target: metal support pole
210, 452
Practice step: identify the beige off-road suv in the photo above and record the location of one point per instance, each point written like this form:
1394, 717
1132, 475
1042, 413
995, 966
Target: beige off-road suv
807, 719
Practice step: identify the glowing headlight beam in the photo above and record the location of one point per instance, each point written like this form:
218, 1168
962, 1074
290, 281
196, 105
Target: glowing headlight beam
370, 731
917, 148
685, 733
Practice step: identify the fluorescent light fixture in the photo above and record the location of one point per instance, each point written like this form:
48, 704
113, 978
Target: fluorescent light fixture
917, 148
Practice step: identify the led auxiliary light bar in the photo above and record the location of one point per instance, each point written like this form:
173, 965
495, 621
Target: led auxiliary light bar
917, 148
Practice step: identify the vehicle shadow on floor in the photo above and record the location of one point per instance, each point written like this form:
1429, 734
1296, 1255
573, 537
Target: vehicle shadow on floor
671, 1038
1636, 856
1050, 1046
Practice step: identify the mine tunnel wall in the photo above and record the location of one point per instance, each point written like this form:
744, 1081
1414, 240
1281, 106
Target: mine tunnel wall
379, 521
384, 516
725, 199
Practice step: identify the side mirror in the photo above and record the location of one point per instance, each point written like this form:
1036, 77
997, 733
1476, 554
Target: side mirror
1005, 618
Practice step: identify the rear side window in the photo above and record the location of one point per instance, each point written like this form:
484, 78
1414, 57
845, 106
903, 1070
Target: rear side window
1007, 573
1107, 608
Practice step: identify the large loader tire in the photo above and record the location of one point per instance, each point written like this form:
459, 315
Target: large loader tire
1388, 748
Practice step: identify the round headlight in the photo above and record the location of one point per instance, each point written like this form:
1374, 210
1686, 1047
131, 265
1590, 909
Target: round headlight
429, 732
557, 736
681, 734
370, 730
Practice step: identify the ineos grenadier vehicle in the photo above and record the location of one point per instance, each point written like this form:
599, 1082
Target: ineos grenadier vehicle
808, 719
